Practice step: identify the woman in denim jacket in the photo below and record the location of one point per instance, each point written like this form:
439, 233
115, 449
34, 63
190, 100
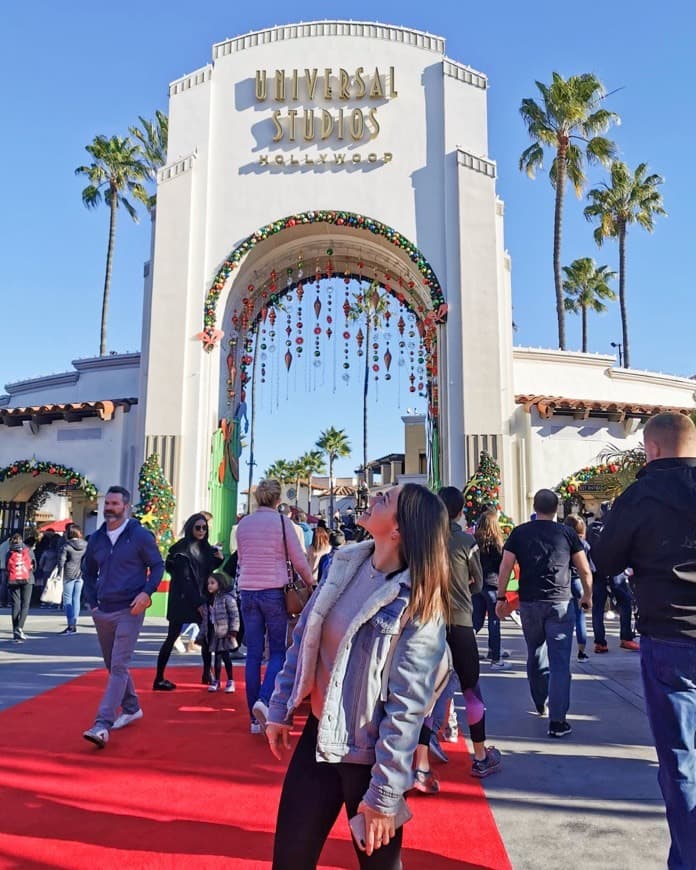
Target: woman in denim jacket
365, 652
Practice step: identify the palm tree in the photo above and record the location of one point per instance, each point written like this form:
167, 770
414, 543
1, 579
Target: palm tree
569, 121
586, 285
152, 137
630, 198
117, 167
372, 305
312, 463
335, 444
281, 471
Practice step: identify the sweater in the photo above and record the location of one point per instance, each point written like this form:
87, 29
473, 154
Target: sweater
261, 551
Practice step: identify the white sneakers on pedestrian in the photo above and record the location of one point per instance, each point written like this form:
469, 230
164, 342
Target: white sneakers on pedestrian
179, 645
229, 687
260, 712
500, 666
257, 728
98, 736
126, 719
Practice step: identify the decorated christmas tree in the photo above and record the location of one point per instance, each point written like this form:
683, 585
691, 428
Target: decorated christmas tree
482, 491
155, 510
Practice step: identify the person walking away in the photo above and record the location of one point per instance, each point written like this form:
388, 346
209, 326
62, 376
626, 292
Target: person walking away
489, 538
320, 547
336, 540
544, 550
577, 524
366, 651
190, 561
223, 628
306, 529
262, 576
466, 579
20, 565
4, 593
122, 568
651, 527
70, 564
286, 511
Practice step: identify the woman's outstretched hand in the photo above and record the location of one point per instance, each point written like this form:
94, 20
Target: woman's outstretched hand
379, 828
278, 737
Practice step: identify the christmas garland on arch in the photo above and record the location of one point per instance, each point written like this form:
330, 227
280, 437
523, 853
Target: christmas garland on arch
36, 467
570, 485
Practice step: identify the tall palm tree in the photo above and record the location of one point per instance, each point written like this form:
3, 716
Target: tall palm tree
152, 137
335, 444
117, 168
312, 463
372, 306
586, 285
280, 470
569, 121
629, 198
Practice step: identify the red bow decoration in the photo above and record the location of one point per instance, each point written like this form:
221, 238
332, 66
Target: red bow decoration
210, 337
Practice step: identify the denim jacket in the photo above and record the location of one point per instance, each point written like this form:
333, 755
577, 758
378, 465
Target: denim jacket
369, 716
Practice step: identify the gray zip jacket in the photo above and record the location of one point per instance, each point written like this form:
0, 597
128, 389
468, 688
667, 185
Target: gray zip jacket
371, 714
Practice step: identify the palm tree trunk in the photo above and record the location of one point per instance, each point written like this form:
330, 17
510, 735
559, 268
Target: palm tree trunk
584, 329
309, 493
557, 222
365, 391
622, 296
331, 491
107, 276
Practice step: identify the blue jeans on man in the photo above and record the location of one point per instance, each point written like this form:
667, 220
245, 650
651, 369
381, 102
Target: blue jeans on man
264, 613
669, 681
548, 632
624, 601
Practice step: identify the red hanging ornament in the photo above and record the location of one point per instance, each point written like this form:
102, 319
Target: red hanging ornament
317, 306
387, 359
288, 360
360, 338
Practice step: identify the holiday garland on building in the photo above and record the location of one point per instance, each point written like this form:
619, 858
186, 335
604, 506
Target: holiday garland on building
155, 510
482, 491
55, 469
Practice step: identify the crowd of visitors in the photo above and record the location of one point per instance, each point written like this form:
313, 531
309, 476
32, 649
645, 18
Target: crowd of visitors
389, 630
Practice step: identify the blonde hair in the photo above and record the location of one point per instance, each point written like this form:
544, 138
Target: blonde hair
577, 524
267, 493
424, 532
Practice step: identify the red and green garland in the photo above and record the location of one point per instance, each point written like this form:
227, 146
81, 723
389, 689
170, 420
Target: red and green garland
36, 467
570, 485
211, 335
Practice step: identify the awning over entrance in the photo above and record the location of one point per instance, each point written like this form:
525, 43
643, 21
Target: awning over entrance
582, 409
71, 412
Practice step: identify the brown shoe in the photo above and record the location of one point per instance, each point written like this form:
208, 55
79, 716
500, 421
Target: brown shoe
601, 648
630, 644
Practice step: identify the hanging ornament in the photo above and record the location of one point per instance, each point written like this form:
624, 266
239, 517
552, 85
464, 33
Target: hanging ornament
300, 291
387, 359
360, 338
317, 305
288, 360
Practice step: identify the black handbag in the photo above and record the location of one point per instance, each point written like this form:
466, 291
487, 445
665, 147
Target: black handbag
296, 593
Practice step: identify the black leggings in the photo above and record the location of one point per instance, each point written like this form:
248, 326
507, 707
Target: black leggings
167, 647
465, 658
220, 657
312, 797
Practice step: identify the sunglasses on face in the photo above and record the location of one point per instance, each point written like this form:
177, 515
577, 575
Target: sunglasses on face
200, 528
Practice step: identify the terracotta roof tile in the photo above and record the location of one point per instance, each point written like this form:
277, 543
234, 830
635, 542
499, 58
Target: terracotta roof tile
581, 409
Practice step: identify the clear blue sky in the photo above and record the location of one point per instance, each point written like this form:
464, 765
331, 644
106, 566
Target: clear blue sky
78, 69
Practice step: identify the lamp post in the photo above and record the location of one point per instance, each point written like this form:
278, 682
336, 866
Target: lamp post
619, 348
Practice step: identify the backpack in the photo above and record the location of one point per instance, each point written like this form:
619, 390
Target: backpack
19, 566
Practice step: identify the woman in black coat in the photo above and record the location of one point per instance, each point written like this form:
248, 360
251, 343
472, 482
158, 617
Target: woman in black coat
189, 563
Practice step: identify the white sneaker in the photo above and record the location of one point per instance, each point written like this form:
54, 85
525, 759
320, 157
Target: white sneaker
229, 687
96, 735
126, 719
260, 711
179, 645
257, 728
214, 686
515, 617
500, 666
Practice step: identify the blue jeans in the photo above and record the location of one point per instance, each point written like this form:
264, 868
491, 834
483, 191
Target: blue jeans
669, 681
484, 603
72, 595
263, 611
580, 625
624, 601
548, 633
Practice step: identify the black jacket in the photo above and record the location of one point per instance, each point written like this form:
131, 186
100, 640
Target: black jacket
652, 529
70, 559
189, 580
466, 576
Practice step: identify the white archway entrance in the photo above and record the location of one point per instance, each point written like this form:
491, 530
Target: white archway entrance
406, 153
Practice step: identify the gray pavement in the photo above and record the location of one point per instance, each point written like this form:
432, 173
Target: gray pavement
589, 800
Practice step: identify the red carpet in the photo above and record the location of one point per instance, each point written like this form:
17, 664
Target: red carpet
187, 786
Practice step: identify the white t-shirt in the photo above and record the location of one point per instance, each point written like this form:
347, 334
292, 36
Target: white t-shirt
115, 534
